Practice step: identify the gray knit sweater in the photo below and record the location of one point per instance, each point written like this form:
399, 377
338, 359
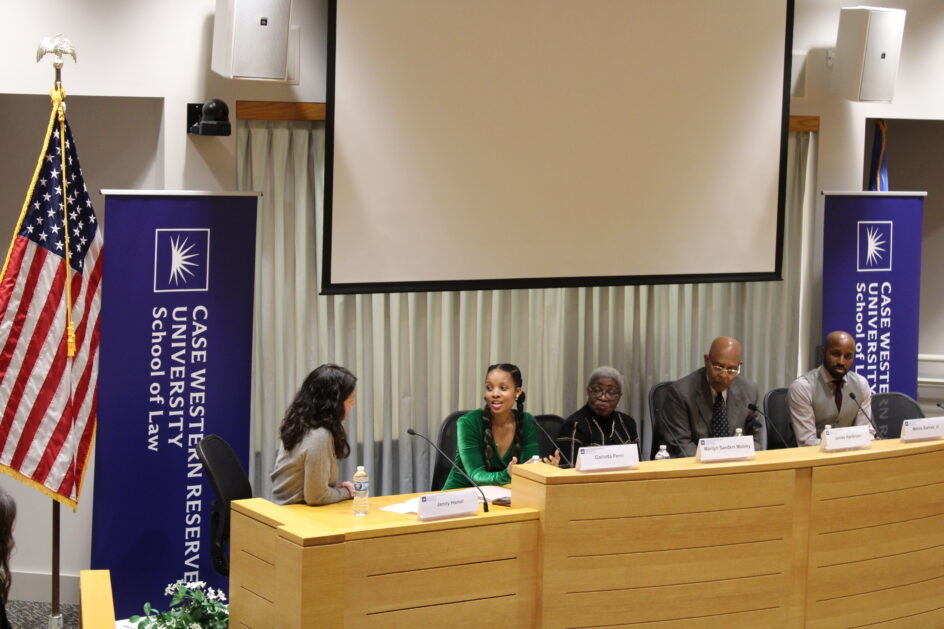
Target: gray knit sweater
308, 472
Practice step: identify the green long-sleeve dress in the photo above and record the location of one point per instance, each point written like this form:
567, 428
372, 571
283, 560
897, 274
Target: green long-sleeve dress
470, 455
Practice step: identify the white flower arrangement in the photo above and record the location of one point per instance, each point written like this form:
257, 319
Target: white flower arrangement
192, 606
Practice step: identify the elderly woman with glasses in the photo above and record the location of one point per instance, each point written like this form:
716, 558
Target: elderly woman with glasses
598, 423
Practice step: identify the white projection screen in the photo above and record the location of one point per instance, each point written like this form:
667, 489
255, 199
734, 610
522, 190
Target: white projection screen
539, 143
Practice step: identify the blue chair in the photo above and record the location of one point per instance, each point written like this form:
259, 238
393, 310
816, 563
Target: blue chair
656, 402
552, 425
889, 410
780, 434
446, 443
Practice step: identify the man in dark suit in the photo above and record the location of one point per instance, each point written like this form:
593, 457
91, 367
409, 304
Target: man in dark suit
711, 402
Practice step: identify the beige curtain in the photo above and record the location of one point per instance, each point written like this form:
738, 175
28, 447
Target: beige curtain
419, 356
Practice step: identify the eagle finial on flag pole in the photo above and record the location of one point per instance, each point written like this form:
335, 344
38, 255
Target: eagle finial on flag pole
58, 46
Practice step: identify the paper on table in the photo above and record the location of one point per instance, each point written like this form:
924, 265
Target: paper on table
410, 506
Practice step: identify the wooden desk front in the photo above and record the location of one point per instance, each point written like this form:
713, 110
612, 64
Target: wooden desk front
299, 567
795, 538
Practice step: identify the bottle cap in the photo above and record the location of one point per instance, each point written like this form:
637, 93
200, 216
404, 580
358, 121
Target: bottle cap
360, 468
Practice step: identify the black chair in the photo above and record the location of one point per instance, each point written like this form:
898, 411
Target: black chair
889, 410
780, 434
230, 482
446, 443
656, 401
552, 424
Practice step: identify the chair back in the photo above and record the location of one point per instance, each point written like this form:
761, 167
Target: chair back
552, 425
230, 482
889, 410
656, 401
447, 443
780, 429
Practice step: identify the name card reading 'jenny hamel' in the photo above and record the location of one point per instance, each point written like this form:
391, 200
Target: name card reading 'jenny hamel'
448, 504
922, 429
597, 458
725, 449
846, 438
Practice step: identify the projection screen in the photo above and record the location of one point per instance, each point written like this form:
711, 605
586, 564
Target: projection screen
540, 143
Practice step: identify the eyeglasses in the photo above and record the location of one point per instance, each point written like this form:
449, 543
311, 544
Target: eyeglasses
730, 371
604, 394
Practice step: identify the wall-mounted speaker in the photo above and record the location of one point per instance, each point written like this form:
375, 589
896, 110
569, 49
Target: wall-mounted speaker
251, 39
868, 47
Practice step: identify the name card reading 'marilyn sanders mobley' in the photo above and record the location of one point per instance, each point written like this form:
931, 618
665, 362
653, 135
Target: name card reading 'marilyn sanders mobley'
598, 458
846, 438
448, 504
725, 449
924, 429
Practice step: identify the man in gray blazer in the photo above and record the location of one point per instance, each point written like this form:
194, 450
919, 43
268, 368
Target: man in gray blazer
711, 402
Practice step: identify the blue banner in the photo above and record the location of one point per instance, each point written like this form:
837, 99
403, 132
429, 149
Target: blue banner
175, 365
871, 282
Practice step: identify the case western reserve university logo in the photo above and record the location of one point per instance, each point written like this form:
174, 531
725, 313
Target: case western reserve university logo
181, 260
874, 246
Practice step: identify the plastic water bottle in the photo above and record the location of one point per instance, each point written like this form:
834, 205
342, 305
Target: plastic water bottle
663, 453
738, 432
361, 491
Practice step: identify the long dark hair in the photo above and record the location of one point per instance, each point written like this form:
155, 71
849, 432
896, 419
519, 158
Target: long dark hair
320, 403
7, 517
517, 413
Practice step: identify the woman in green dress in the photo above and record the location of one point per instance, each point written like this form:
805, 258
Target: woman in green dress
492, 440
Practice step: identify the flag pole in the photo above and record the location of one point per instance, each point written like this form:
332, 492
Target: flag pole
59, 46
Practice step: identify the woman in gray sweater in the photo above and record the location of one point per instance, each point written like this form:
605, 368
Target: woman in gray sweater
313, 439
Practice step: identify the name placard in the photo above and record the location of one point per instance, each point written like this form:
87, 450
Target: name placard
448, 504
922, 429
596, 458
725, 449
846, 438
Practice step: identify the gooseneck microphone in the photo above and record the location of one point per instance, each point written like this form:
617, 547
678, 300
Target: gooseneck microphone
867, 415
753, 407
940, 405
547, 434
413, 433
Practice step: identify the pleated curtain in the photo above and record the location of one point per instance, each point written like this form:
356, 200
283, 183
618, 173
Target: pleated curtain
420, 356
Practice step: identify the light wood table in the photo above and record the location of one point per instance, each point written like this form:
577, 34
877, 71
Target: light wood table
793, 538
298, 567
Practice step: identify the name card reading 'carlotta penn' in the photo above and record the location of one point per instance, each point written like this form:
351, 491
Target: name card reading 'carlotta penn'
596, 458
448, 504
725, 449
846, 438
922, 429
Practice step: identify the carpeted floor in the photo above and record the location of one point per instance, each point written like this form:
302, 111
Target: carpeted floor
32, 615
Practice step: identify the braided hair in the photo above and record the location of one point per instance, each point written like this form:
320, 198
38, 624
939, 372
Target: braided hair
518, 414
320, 402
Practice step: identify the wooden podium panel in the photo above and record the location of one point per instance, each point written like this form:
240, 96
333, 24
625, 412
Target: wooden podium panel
634, 552
297, 567
877, 535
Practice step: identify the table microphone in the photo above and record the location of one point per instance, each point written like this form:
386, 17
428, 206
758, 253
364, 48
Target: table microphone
940, 405
867, 416
413, 433
546, 434
753, 407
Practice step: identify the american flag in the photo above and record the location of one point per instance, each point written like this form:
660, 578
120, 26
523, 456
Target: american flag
48, 398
